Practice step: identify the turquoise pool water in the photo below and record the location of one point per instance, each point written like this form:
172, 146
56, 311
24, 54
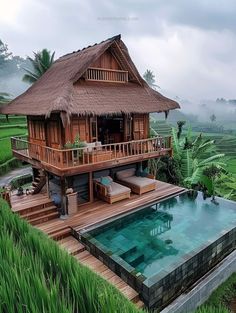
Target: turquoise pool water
158, 237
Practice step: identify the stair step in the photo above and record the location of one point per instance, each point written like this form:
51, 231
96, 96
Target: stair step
44, 218
37, 179
61, 233
35, 184
39, 213
139, 304
96, 265
71, 245
32, 206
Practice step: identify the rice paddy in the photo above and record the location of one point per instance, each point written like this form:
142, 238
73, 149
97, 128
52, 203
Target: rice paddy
37, 276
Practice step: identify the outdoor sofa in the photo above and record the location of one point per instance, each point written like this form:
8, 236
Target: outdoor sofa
139, 184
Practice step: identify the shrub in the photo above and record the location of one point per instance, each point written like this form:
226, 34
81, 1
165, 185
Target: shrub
21, 180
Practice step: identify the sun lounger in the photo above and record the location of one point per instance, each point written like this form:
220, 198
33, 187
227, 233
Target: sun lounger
138, 184
111, 192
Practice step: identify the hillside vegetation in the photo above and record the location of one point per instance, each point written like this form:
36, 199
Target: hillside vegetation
37, 276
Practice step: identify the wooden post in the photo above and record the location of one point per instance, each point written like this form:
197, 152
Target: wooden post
90, 187
63, 197
47, 184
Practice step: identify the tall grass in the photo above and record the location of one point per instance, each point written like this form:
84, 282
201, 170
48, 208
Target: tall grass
37, 276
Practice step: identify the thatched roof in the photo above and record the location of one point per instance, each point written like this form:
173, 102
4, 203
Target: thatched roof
61, 90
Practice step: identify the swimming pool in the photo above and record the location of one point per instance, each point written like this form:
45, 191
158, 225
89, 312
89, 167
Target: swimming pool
167, 245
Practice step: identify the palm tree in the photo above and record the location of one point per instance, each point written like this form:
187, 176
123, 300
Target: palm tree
150, 79
42, 61
4, 99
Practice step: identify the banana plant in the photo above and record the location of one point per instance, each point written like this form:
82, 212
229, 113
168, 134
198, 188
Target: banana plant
195, 155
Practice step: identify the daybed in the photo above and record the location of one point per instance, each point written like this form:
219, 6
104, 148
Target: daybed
110, 191
138, 184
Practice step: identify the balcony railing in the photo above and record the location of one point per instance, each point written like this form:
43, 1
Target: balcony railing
67, 158
109, 75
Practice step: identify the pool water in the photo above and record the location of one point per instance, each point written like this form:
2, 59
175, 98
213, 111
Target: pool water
157, 237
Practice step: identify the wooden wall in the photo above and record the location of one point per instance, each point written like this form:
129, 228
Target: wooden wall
36, 130
50, 132
46, 132
106, 60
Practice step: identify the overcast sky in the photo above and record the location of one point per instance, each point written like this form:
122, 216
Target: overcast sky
190, 45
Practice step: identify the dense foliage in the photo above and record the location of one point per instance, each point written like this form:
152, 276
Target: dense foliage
37, 276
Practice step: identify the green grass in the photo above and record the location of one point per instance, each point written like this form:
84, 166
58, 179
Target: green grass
12, 119
5, 150
15, 127
220, 298
11, 132
37, 276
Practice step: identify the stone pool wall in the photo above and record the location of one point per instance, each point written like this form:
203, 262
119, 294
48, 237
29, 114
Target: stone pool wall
163, 288
159, 290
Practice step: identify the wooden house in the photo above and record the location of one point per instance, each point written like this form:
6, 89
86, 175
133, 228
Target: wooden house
88, 116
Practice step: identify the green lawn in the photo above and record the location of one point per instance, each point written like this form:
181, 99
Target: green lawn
37, 276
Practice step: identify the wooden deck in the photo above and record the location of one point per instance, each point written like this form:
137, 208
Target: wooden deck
87, 215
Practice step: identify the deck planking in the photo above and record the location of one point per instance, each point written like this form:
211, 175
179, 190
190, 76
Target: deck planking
89, 215
99, 211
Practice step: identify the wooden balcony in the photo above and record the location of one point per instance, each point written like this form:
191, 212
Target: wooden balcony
79, 160
107, 75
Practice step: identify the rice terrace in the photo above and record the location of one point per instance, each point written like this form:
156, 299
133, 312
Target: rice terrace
117, 157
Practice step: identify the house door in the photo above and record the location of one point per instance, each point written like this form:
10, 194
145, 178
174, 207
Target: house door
54, 134
80, 129
138, 127
127, 128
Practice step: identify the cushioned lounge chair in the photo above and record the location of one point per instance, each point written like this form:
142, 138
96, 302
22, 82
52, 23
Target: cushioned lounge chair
138, 184
111, 192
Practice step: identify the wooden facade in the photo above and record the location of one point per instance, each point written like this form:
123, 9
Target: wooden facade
121, 128
73, 153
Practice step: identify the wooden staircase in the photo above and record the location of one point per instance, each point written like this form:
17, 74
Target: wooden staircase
75, 248
37, 212
39, 181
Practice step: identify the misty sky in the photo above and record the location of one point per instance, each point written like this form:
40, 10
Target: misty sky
190, 45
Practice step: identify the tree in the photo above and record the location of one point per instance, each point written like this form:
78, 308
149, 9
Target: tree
41, 62
213, 118
4, 55
4, 99
150, 79
212, 172
180, 125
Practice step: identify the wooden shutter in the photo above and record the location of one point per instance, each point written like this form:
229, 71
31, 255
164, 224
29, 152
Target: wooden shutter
138, 127
80, 127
